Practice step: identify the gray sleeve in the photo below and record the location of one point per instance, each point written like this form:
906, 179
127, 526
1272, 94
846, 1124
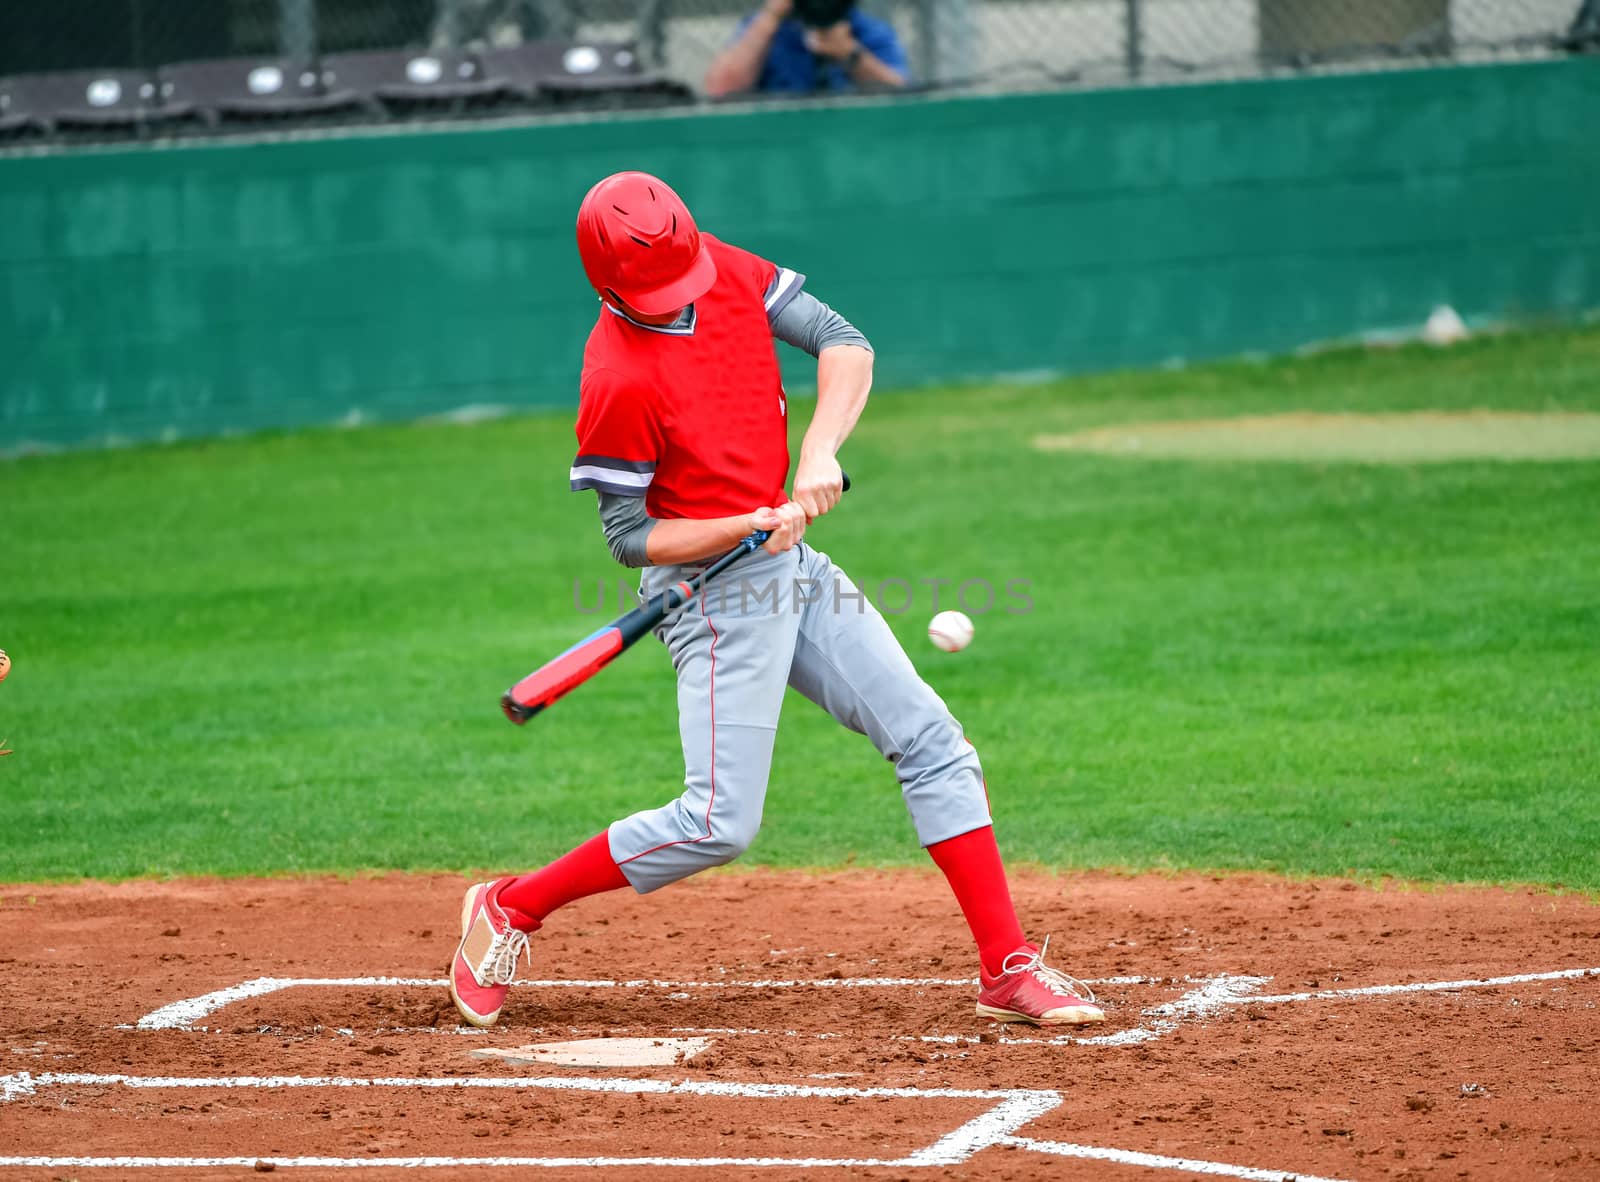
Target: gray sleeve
626, 527
807, 323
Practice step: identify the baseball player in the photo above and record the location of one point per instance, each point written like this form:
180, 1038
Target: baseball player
683, 432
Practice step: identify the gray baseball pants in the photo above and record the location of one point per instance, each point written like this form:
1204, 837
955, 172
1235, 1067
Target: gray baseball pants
769, 622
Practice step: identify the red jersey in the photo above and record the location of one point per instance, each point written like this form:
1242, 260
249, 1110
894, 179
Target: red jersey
692, 417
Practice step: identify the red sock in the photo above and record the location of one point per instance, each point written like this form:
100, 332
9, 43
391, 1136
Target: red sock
972, 864
587, 870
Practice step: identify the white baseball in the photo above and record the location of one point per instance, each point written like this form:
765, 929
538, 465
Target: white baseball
951, 631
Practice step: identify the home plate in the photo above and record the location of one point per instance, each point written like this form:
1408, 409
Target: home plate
600, 1052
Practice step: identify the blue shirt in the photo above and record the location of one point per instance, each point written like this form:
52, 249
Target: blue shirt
791, 66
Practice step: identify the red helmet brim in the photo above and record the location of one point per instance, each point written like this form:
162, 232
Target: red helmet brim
680, 293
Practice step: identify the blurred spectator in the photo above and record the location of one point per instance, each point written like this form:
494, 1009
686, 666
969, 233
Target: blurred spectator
808, 45
488, 23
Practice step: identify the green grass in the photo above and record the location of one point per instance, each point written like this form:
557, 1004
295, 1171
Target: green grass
283, 654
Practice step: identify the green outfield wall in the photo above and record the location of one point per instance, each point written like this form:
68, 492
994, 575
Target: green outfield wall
212, 287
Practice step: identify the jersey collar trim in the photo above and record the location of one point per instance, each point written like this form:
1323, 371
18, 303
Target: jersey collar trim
683, 326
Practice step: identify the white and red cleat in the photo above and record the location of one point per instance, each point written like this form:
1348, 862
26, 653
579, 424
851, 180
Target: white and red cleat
1027, 991
492, 938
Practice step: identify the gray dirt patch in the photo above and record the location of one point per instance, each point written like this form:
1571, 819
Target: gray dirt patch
1411, 438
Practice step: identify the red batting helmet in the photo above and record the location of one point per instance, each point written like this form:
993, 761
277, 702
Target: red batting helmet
638, 239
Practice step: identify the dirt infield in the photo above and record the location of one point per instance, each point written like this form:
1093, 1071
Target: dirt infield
1257, 1029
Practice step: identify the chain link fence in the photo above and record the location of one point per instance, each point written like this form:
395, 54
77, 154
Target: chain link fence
1010, 44
990, 44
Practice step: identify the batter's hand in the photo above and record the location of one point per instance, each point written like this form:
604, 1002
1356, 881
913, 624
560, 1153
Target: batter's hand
787, 524
818, 484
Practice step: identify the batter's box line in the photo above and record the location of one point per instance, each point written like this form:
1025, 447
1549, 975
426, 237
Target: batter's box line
997, 1126
1212, 995
183, 1014
1195, 1005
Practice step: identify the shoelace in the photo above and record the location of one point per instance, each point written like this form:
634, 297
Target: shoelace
1052, 979
503, 952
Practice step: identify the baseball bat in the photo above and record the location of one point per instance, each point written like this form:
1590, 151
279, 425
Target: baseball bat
558, 677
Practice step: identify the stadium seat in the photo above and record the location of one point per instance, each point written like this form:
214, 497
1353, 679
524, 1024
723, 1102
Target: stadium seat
84, 98
15, 120
241, 88
412, 78
575, 69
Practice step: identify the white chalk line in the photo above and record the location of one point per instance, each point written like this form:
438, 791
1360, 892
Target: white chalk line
183, 1014
1015, 1108
997, 1126
1198, 1004
1159, 1161
424, 1163
26, 1084
1058, 1148
1215, 993
985, 1129
1420, 987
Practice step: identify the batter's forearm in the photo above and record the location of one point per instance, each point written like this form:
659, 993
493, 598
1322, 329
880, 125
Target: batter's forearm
844, 379
679, 539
